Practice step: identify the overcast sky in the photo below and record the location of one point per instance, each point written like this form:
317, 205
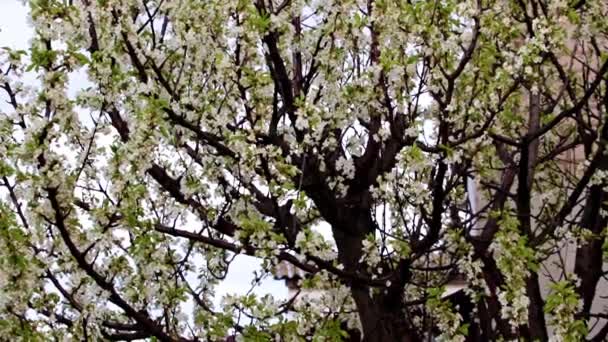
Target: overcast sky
15, 32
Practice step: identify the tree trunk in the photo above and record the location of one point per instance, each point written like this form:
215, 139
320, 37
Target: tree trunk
537, 327
380, 320
588, 262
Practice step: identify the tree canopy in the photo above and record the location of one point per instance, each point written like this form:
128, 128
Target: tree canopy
437, 139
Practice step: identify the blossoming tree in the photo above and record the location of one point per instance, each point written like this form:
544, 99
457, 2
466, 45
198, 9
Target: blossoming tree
431, 136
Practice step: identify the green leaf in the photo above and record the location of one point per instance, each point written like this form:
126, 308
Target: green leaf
81, 58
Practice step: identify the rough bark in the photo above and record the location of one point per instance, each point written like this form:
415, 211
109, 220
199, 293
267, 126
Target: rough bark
537, 328
588, 264
380, 320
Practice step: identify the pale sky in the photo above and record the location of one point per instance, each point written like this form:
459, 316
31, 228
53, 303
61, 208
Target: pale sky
15, 33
